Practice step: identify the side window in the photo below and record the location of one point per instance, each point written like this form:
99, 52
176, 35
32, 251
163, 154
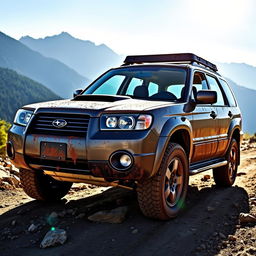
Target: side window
132, 85
152, 88
215, 86
199, 83
110, 86
229, 94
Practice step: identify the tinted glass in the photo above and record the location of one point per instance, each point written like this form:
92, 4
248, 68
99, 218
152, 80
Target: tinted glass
215, 87
228, 93
152, 88
199, 83
134, 82
110, 86
156, 83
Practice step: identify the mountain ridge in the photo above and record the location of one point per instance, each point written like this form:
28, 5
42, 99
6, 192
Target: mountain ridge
17, 90
84, 56
242, 73
55, 75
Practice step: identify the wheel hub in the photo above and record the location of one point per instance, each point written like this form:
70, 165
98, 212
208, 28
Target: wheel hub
173, 182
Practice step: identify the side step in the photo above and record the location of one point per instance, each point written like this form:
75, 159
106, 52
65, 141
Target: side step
197, 169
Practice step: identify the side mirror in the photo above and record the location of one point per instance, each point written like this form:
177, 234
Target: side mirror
206, 97
77, 92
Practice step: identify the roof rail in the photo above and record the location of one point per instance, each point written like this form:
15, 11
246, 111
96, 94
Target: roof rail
174, 58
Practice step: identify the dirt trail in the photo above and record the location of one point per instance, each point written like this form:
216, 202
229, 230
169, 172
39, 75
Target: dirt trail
206, 226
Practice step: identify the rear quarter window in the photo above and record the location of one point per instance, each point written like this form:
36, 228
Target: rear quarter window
228, 93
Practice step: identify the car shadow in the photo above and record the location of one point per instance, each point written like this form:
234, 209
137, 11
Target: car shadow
208, 217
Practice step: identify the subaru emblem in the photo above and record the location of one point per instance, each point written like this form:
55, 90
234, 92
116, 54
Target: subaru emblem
59, 123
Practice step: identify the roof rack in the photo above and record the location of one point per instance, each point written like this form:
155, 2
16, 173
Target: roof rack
174, 58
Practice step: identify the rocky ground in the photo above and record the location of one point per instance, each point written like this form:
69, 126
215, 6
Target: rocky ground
93, 220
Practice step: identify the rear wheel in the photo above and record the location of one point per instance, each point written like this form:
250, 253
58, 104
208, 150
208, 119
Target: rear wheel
225, 175
163, 196
43, 187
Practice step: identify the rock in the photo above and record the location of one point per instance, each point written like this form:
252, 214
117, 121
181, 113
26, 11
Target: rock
251, 250
135, 231
32, 228
70, 211
252, 200
62, 214
116, 215
80, 216
231, 238
52, 219
236, 205
210, 208
221, 235
203, 246
247, 218
206, 177
54, 237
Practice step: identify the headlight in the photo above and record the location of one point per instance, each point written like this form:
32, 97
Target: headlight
125, 122
111, 122
23, 116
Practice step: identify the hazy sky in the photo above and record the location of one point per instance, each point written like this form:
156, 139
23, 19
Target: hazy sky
222, 30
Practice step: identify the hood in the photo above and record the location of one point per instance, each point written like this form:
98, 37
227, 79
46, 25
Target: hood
100, 106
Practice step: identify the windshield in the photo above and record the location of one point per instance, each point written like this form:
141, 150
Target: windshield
150, 83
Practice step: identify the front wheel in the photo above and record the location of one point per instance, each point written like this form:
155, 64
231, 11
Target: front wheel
43, 187
163, 196
225, 175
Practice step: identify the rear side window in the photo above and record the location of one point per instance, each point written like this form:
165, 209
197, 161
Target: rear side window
229, 94
215, 87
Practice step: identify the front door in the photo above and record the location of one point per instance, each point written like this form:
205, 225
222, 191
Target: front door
204, 123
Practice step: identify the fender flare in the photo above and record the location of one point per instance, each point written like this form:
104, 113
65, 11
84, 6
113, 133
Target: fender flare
171, 126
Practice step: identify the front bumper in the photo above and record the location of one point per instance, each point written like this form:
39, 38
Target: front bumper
88, 155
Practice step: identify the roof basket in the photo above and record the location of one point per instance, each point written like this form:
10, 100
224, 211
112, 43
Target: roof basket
173, 58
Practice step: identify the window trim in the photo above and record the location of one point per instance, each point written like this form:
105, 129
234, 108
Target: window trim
233, 95
204, 74
221, 89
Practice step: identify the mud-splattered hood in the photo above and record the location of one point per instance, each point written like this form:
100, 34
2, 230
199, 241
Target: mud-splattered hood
101, 106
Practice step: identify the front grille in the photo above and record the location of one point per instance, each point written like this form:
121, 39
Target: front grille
77, 124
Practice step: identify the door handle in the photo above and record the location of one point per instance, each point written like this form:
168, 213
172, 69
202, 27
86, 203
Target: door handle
213, 114
230, 114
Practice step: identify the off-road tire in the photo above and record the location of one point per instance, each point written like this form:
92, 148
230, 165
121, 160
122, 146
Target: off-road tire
151, 192
43, 187
222, 175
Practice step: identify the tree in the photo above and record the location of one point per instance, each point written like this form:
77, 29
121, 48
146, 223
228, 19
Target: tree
4, 126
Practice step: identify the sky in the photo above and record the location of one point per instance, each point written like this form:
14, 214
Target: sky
218, 30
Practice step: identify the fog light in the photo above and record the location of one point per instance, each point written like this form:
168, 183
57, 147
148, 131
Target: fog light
125, 160
121, 160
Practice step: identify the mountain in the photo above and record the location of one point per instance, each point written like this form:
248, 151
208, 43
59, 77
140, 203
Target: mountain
85, 57
241, 73
246, 101
55, 75
17, 90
